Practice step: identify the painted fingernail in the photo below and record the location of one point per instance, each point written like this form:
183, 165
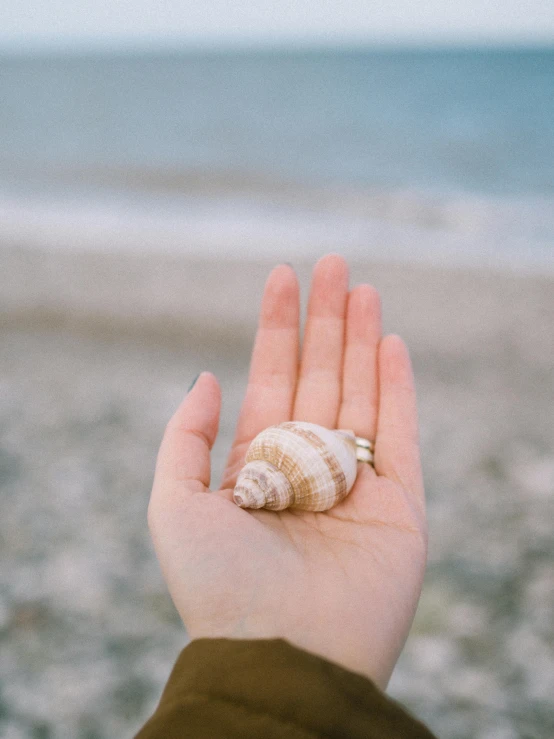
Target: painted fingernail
193, 383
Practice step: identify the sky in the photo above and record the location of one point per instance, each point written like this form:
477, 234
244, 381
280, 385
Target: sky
58, 23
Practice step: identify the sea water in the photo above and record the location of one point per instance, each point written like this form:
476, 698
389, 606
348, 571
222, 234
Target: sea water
440, 154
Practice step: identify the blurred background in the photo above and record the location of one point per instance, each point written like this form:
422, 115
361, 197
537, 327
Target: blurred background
156, 159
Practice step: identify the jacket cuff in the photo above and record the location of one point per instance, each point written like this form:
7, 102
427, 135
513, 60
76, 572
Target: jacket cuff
269, 688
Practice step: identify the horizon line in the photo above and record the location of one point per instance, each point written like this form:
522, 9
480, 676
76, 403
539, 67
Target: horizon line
155, 44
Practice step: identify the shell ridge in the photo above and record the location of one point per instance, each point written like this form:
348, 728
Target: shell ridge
333, 465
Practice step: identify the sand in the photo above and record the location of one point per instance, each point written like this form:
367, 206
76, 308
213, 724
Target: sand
98, 349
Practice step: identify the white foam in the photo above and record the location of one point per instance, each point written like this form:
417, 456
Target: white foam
405, 226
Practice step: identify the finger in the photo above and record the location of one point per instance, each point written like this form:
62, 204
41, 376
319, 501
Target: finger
273, 369
319, 385
358, 410
397, 443
183, 463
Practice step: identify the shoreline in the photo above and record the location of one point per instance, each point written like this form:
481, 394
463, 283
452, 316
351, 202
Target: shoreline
170, 298
236, 216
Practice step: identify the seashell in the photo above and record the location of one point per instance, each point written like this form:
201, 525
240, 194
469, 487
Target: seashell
297, 465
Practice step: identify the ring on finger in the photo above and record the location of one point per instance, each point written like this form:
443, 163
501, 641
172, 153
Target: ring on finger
364, 450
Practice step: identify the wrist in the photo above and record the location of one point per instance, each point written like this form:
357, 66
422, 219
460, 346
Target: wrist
348, 653
360, 659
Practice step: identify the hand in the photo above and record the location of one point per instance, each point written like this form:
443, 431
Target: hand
343, 584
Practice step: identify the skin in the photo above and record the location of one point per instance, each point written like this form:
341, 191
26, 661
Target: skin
344, 583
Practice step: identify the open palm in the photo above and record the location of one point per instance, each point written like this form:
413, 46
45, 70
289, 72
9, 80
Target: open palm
343, 583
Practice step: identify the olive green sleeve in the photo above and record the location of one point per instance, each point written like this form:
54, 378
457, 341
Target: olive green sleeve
269, 689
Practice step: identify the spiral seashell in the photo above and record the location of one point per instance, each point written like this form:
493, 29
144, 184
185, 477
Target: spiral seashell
297, 465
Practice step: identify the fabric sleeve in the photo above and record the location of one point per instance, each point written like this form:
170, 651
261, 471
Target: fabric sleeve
270, 689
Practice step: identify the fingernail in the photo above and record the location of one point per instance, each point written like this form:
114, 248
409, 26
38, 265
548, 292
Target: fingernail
193, 383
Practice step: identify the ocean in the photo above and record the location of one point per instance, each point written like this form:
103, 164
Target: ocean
439, 155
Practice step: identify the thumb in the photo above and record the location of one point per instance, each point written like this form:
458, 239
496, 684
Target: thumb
183, 463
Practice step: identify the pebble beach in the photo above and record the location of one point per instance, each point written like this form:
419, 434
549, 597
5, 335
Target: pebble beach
97, 350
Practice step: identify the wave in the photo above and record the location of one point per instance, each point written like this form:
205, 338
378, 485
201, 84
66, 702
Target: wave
234, 215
